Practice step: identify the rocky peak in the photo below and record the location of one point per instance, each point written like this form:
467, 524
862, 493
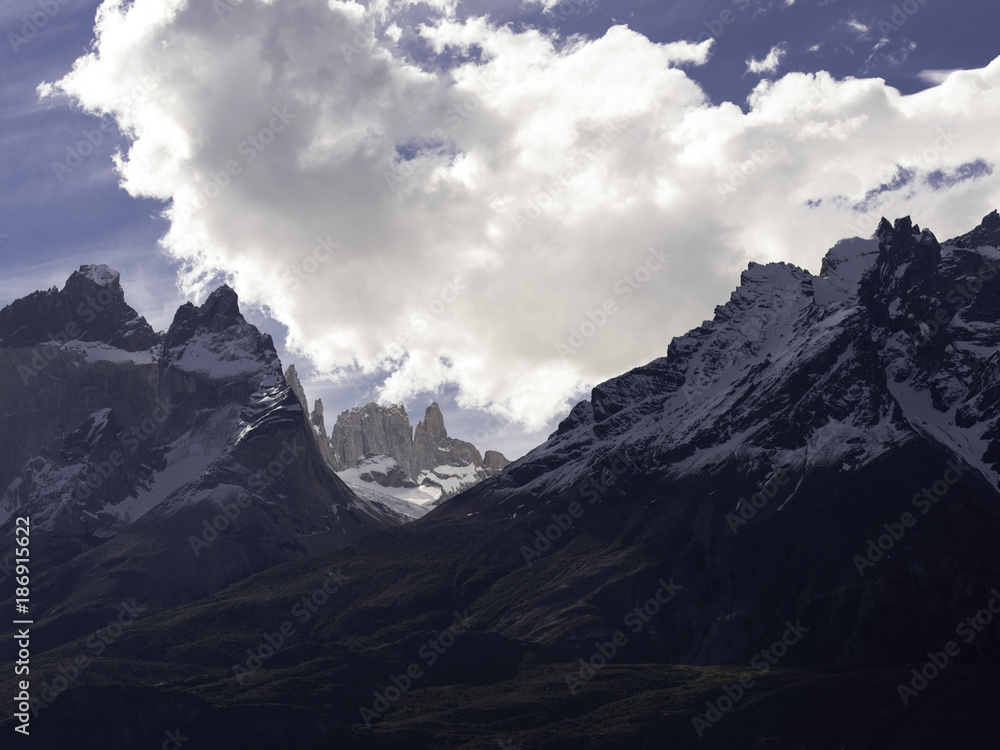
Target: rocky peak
216, 338
372, 434
91, 307
99, 274
903, 274
315, 418
433, 423
495, 462
905, 242
222, 308
373, 428
432, 447
987, 234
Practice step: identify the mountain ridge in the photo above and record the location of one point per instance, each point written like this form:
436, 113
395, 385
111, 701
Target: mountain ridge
820, 459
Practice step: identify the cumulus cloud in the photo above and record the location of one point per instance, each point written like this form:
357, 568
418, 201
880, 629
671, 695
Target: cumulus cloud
770, 63
510, 215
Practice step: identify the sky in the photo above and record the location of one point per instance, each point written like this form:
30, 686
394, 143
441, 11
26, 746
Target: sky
494, 205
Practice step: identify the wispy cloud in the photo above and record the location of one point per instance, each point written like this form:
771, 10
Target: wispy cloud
770, 63
855, 25
934, 77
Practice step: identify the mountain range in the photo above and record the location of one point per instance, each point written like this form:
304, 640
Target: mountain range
781, 534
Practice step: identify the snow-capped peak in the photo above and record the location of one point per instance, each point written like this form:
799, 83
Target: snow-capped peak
100, 274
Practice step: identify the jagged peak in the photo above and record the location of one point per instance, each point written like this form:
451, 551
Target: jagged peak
100, 274
433, 422
375, 406
223, 303
987, 234
903, 228
90, 307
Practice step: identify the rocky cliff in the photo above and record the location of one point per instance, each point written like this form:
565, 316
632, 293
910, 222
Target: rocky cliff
425, 461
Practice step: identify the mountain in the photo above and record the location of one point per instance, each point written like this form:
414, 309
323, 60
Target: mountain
785, 533
176, 462
765, 458
376, 451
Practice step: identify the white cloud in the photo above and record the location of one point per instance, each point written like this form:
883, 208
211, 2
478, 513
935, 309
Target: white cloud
934, 77
855, 25
770, 63
453, 227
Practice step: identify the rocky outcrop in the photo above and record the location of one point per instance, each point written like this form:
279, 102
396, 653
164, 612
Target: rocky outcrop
426, 456
494, 462
432, 447
315, 417
91, 307
373, 428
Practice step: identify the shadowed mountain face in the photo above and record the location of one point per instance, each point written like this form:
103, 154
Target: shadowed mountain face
165, 470
799, 503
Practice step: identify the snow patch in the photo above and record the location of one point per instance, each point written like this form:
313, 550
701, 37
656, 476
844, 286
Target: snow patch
100, 274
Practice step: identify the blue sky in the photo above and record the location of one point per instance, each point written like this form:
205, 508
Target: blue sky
56, 214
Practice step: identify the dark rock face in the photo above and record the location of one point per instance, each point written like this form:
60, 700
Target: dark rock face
987, 234
817, 466
91, 307
835, 401
124, 459
114, 718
